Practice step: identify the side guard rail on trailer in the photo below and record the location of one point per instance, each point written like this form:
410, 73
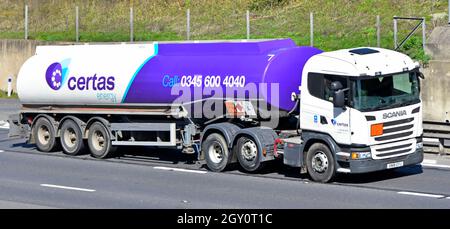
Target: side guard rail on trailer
175, 110
145, 127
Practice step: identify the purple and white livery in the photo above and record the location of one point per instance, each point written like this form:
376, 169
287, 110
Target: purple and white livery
149, 73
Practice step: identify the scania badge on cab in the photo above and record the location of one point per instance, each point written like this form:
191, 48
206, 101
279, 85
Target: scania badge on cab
248, 102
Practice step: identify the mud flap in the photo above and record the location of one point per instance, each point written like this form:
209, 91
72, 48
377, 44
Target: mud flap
17, 129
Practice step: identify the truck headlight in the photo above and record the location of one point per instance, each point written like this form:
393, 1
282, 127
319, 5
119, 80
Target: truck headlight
419, 145
361, 155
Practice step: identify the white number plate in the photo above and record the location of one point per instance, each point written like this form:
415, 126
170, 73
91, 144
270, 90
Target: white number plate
395, 165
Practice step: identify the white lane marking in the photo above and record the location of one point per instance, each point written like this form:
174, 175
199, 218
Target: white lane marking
343, 170
344, 154
436, 166
430, 140
448, 198
428, 161
421, 194
179, 170
67, 187
4, 125
2, 151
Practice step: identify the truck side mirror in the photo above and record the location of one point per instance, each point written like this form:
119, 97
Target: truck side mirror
339, 94
421, 75
339, 98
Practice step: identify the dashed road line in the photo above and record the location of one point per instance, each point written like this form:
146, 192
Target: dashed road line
179, 170
428, 161
4, 125
420, 194
436, 165
68, 187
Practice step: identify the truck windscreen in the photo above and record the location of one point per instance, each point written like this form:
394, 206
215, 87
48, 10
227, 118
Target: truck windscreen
385, 92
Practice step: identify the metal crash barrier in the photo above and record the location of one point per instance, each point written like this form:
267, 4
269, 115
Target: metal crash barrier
436, 137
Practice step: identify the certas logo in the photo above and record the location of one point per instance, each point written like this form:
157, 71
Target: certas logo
394, 114
56, 77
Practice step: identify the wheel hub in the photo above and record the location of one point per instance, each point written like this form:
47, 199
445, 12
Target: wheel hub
320, 162
249, 150
70, 138
215, 152
43, 135
98, 140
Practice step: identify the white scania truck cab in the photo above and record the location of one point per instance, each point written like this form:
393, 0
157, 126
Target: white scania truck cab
359, 112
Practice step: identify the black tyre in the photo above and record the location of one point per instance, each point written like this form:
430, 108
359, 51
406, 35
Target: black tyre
216, 152
99, 141
44, 135
320, 163
71, 138
248, 155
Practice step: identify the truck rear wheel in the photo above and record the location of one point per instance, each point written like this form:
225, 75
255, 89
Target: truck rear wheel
248, 154
216, 152
45, 135
99, 141
320, 163
71, 138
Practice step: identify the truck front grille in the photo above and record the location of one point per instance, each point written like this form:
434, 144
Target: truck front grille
396, 129
394, 149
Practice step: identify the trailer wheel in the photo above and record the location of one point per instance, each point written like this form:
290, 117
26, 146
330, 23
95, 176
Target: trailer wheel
216, 152
71, 138
99, 141
44, 135
320, 163
248, 154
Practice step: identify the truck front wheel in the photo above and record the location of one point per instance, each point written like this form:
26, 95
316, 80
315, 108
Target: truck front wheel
44, 135
320, 163
216, 152
99, 141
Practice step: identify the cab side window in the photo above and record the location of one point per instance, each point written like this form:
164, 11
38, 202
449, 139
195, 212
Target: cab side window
319, 85
315, 84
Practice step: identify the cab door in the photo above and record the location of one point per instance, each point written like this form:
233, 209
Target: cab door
319, 113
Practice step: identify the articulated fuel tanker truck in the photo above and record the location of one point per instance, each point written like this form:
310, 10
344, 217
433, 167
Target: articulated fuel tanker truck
248, 102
